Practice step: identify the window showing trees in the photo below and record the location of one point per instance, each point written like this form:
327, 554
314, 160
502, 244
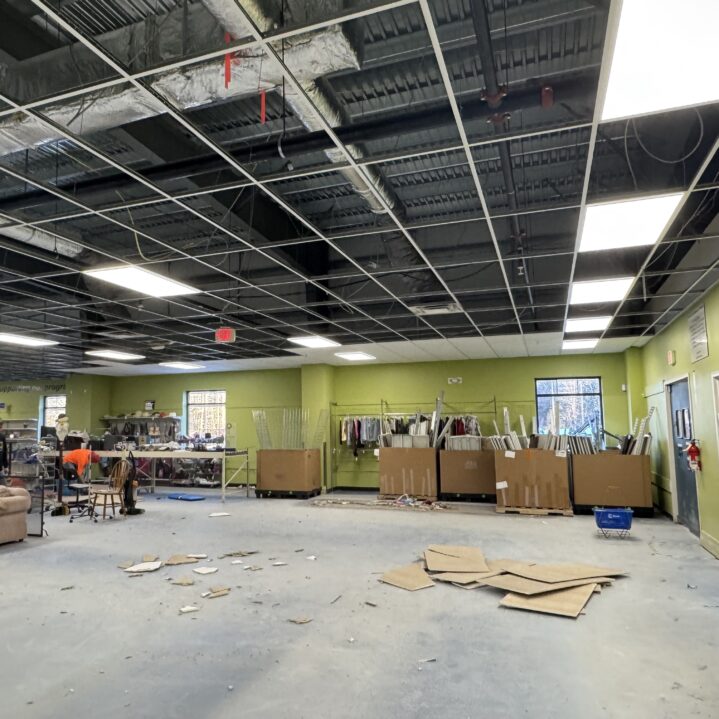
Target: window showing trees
569, 405
52, 407
206, 413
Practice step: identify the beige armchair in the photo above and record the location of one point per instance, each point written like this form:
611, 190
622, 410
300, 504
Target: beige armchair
14, 505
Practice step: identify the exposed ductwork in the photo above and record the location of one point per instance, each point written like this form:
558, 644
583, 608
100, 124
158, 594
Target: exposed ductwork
233, 20
41, 239
495, 94
310, 55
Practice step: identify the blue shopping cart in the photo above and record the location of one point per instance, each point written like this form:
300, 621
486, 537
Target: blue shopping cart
614, 522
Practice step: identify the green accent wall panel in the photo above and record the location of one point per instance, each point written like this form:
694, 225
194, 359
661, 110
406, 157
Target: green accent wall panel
701, 389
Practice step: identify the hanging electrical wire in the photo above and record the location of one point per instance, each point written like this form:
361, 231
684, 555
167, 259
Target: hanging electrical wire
664, 160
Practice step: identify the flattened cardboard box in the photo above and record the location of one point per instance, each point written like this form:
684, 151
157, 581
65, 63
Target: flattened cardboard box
532, 478
610, 479
565, 602
288, 470
408, 471
466, 472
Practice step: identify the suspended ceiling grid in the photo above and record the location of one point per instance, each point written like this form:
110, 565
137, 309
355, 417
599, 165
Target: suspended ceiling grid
270, 220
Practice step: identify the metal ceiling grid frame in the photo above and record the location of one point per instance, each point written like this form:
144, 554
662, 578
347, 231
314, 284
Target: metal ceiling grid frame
178, 117
132, 229
210, 266
436, 166
319, 171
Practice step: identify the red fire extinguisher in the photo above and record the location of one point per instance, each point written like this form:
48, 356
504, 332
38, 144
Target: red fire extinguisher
693, 456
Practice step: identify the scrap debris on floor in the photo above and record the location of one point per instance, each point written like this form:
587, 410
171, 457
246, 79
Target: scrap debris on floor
560, 589
403, 502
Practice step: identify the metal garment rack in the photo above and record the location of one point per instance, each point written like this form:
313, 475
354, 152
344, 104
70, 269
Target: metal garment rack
338, 412
245, 466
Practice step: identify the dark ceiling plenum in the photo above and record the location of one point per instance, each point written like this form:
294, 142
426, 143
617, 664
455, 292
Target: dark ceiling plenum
389, 171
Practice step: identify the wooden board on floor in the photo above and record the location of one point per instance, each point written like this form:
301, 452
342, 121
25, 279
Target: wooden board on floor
531, 587
561, 572
447, 558
564, 603
465, 577
412, 577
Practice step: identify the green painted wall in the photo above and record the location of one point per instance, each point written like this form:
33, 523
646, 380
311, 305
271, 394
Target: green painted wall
634, 369
22, 399
88, 399
701, 388
317, 394
408, 387
245, 391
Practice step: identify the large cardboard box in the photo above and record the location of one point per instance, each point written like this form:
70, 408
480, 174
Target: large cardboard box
288, 470
408, 471
466, 472
532, 478
611, 479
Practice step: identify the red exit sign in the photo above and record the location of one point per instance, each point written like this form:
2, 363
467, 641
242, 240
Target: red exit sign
225, 334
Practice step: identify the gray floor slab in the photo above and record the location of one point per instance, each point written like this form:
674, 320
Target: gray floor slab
116, 647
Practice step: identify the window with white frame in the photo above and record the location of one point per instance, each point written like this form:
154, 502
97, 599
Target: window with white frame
53, 406
569, 405
206, 413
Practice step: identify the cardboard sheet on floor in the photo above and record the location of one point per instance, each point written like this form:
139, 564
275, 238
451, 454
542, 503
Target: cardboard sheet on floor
176, 559
530, 587
183, 582
564, 603
465, 577
507, 565
448, 558
561, 572
411, 577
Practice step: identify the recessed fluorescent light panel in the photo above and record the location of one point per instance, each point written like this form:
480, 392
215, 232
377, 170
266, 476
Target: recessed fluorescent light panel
664, 57
588, 324
142, 281
626, 224
587, 293
579, 344
313, 341
355, 356
448, 308
113, 355
12, 339
181, 365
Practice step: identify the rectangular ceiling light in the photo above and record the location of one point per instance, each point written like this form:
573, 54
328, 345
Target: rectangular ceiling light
12, 339
597, 291
113, 355
313, 341
355, 356
579, 344
181, 365
588, 324
629, 223
442, 308
142, 281
664, 57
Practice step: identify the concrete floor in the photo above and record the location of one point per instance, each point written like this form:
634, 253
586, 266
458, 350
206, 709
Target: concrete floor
116, 647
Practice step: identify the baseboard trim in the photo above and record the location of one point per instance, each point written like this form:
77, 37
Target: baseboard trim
711, 544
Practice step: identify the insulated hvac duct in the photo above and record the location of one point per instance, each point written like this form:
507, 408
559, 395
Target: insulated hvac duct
234, 21
43, 240
310, 55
